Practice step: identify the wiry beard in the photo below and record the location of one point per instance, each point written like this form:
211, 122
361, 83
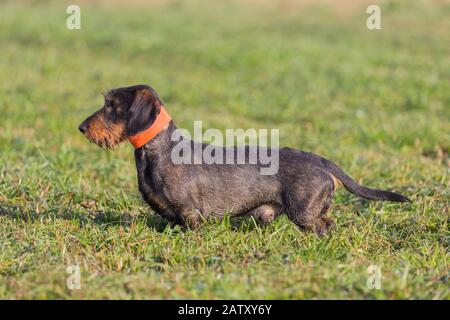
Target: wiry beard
105, 135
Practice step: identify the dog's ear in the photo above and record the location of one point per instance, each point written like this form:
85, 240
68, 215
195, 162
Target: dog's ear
142, 112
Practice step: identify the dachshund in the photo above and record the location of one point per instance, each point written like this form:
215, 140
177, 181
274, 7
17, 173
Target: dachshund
188, 193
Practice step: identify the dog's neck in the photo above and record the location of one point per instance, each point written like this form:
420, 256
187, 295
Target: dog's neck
152, 163
161, 121
161, 144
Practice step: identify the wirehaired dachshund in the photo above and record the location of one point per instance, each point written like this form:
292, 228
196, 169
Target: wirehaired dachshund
186, 194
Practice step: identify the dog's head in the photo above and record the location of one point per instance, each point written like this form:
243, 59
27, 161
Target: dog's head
126, 112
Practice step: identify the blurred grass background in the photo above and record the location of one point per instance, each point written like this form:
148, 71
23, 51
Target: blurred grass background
375, 102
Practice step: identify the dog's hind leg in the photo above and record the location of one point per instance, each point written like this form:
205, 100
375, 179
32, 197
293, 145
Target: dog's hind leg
307, 208
328, 222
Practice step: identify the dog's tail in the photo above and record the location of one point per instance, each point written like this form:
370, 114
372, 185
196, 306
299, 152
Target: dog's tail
359, 190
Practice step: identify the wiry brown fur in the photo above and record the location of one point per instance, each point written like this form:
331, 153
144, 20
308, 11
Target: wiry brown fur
106, 127
105, 134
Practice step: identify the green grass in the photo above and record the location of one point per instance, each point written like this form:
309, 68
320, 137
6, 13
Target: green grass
375, 102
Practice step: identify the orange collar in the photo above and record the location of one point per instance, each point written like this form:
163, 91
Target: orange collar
141, 138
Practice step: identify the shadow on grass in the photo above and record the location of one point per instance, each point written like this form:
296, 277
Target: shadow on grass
113, 218
98, 217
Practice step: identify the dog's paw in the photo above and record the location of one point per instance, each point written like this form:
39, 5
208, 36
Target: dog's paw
323, 225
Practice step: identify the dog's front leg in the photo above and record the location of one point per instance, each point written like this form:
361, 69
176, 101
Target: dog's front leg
188, 219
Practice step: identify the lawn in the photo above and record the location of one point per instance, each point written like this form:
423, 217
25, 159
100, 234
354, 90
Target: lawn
375, 102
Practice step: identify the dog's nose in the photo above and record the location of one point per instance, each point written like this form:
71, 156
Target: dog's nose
83, 127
